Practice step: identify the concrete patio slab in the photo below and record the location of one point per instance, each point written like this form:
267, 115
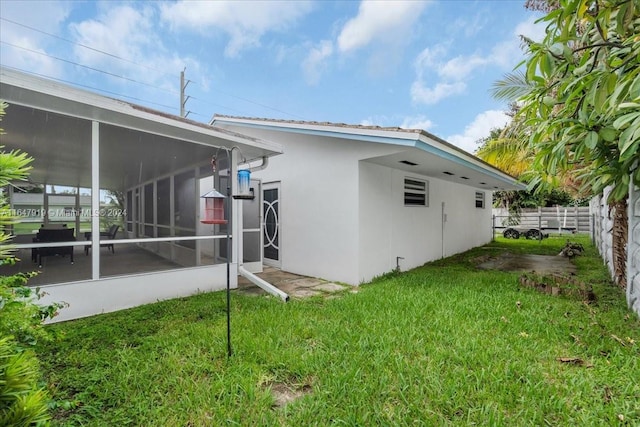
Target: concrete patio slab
294, 285
329, 287
304, 293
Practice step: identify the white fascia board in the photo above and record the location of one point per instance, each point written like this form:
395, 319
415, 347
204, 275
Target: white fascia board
419, 140
385, 136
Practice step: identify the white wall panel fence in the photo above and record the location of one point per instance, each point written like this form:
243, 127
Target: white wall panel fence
602, 237
561, 218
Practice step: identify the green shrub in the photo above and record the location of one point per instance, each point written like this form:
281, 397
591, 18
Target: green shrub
22, 403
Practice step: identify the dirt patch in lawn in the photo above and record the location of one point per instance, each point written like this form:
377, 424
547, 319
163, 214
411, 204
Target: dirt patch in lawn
284, 394
541, 264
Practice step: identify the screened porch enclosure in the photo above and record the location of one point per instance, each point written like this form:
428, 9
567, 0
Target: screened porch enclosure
149, 188
131, 179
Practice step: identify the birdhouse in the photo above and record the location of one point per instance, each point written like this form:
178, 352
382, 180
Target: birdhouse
244, 185
213, 208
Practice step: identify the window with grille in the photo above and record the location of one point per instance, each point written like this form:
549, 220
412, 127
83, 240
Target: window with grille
416, 192
480, 199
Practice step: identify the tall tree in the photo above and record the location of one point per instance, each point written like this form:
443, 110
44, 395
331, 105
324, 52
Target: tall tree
580, 101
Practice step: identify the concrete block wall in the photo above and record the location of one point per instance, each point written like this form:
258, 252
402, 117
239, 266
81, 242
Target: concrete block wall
633, 251
602, 238
602, 226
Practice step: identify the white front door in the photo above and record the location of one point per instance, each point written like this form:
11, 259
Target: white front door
271, 226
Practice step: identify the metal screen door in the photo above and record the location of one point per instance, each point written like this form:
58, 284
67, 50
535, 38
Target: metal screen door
271, 226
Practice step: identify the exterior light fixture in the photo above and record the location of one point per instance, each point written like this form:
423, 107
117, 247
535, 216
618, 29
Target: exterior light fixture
213, 208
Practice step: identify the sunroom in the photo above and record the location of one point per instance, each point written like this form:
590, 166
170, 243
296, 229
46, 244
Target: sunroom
103, 165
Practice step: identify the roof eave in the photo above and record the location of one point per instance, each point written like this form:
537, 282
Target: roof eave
56, 97
417, 138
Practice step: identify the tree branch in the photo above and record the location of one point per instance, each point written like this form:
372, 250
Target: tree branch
603, 44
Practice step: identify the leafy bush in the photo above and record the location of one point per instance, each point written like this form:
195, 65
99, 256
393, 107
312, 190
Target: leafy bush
20, 315
22, 402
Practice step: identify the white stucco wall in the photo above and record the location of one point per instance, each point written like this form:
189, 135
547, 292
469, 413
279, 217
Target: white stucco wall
344, 219
91, 297
318, 208
388, 229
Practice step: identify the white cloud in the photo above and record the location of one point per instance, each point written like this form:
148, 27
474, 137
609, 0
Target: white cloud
531, 29
478, 129
25, 53
315, 62
408, 122
130, 34
26, 49
469, 27
381, 20
451, 72
433, 95
417, 122
45, 16
245, 22
461, 67
430, 57
451, 75
122, 31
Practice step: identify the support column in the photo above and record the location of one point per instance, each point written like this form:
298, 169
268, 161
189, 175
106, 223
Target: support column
235, 234
95, 200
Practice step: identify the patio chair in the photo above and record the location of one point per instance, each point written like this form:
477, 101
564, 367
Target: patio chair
109, 235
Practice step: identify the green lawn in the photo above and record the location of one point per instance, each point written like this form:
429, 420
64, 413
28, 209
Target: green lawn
444, 344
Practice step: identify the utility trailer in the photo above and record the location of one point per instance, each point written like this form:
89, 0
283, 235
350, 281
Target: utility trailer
528, 233
534, 233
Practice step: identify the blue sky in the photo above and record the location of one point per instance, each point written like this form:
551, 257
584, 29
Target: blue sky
414, 64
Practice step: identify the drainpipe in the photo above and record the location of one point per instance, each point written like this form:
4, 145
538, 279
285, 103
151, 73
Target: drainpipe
263, 165
250, 276
263, 284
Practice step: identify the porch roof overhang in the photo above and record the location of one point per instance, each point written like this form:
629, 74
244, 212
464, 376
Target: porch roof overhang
413, 150
52, 122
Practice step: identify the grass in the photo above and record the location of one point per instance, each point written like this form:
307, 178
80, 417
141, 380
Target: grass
444, 344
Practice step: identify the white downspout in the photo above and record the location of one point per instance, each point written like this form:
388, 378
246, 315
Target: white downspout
241, 270
263, 284
261, 166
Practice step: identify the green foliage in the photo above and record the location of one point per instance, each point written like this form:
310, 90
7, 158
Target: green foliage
14, 165
512, 86
517, 200
22, 403
20, 315
582, 112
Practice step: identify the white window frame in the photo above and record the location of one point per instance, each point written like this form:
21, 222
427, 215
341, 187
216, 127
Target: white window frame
416, 188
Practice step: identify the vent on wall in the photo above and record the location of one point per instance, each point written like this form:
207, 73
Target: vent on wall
416, 192
448, 173
407, 162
